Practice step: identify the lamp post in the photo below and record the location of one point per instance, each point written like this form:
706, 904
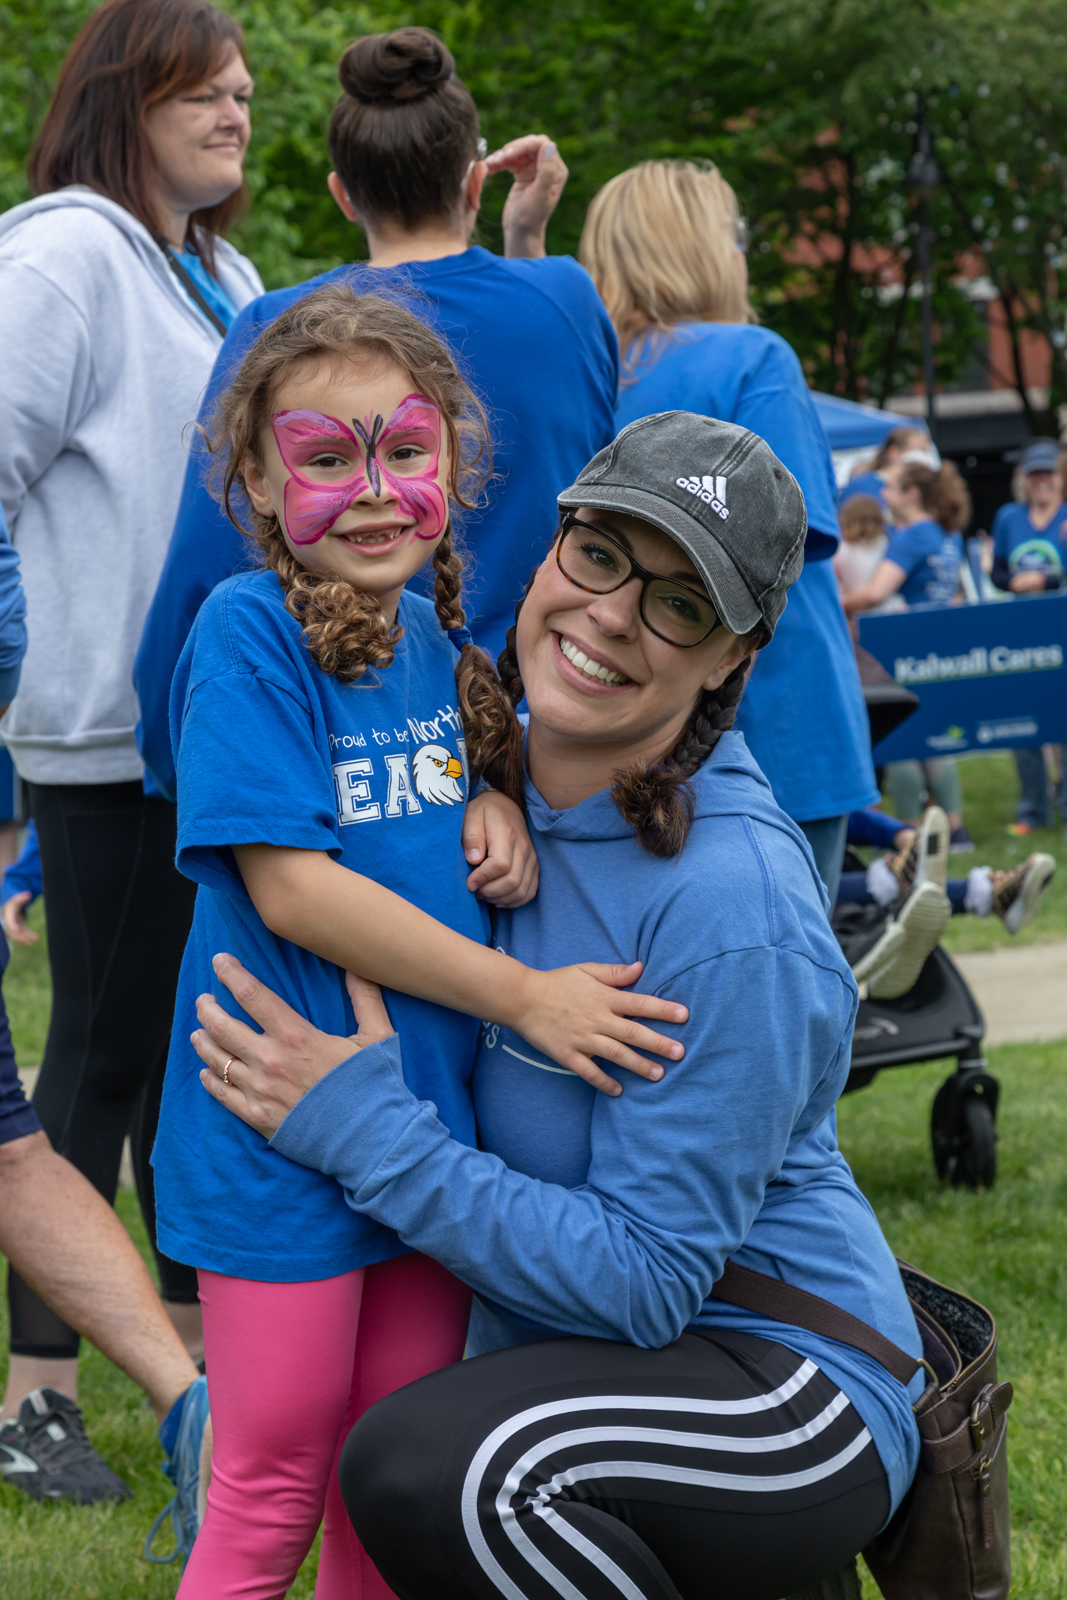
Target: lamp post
924, 177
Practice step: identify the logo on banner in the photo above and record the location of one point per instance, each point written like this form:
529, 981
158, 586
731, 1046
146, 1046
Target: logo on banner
953, 738
1015, 728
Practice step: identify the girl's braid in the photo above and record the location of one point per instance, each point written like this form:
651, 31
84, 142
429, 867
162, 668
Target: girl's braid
494, 738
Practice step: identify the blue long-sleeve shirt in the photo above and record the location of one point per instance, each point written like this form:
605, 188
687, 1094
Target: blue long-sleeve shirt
537, 345
12, 617
613, 1218
23, 876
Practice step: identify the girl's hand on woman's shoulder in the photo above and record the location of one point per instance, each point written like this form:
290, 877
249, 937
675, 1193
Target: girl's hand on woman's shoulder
575, 1013
498, 846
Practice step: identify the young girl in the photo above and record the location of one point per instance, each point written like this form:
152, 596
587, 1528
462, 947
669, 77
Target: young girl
326, 741
863, 542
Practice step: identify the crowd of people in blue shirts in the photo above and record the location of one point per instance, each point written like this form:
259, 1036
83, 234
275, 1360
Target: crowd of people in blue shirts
271, 792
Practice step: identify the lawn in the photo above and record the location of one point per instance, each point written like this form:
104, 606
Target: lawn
1004, 1247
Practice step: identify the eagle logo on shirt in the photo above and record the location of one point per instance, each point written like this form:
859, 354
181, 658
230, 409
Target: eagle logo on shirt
436, 774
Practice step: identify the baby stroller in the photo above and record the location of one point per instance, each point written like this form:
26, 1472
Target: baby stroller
938, 1017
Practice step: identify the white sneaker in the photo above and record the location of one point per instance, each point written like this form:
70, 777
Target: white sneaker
880, 954
923, 920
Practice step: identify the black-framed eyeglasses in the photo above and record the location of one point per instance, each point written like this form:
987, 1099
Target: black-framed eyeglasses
594, 560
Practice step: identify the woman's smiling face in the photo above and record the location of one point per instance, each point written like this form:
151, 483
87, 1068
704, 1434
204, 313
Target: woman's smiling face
354, 465
644, 689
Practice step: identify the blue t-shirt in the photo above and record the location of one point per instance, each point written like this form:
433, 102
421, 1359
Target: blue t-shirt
534, 340
271, 749
803, 712
209, 287
931, 558
1024, 548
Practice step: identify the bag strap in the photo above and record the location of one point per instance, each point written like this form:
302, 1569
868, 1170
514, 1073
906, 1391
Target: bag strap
188, 283
783, 1302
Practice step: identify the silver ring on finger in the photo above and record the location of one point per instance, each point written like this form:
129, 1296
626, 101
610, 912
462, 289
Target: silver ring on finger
226, 1071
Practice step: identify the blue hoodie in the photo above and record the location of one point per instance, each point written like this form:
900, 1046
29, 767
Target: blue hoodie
612, 1218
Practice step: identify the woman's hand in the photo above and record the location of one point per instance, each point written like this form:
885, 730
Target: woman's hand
1027, 582
576, 1013
496, 842
269, 1072
540, 175
13, 913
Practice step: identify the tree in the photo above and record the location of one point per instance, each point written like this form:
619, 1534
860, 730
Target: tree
810, 107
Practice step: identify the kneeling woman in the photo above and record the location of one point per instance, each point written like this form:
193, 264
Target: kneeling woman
622, 1432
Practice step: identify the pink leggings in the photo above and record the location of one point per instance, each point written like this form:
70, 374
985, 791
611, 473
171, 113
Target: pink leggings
291, 1367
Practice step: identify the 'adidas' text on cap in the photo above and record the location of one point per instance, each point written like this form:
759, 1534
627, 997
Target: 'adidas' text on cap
721, 493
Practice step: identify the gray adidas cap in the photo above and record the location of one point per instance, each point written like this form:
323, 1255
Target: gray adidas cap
721, 493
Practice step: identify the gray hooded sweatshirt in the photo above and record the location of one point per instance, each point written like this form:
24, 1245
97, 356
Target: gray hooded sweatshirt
105, 358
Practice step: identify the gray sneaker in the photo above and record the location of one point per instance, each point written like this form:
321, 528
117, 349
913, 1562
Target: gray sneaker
47, 1453
1017, 895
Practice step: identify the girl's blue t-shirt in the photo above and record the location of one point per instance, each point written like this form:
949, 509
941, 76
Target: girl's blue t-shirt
931, 558
270, 749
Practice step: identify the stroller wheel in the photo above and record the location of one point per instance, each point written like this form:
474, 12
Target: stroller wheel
963, 1131
977, 1165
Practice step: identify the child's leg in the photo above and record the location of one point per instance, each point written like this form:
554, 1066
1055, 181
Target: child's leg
280, 1358
413, 1321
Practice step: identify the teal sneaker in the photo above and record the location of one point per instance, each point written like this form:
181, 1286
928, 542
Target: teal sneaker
181, 1433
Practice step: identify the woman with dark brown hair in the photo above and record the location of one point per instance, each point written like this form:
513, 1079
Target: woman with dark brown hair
115, 290
531, 332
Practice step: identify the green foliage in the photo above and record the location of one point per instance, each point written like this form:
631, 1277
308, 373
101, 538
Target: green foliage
811, 107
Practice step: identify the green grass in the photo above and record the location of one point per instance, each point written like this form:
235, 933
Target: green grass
1005, 1247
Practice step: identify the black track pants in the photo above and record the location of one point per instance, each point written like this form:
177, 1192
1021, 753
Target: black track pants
119, 914
722, 1467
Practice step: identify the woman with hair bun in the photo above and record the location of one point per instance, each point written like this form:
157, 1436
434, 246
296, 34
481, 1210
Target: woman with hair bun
531, 333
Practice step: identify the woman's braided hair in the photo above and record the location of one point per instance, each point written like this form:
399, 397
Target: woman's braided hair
657, 801
344, 627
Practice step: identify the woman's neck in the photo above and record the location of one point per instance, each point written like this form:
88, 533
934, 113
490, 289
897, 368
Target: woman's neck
1041, 516
566, 770
392, 246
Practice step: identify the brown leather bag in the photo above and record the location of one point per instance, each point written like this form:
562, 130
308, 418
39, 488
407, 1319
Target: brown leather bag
949, 1538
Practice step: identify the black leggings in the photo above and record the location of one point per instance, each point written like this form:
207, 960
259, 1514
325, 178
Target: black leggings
723, 1467
119, 914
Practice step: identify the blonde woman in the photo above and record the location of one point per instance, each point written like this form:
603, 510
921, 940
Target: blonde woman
690, 342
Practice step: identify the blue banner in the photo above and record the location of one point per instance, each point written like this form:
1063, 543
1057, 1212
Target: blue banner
989, 677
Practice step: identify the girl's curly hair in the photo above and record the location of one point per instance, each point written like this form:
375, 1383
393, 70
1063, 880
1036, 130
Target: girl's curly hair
344, 628
657, 801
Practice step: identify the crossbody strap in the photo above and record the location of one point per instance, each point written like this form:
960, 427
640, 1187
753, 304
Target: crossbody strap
783, 1302
188, 283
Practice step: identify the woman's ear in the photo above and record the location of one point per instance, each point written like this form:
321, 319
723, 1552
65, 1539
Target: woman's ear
472, 189
340, 195
741, 646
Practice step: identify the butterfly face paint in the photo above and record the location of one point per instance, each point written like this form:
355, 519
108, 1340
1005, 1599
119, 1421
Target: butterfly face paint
376, 449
